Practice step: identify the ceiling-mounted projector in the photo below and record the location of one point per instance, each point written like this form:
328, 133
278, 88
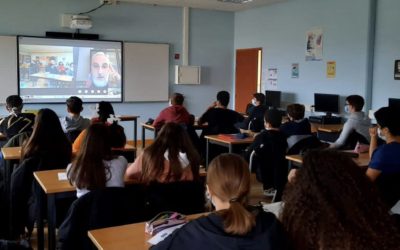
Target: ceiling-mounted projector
80, 22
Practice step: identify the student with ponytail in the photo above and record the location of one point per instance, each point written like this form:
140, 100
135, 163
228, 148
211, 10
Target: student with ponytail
233, 225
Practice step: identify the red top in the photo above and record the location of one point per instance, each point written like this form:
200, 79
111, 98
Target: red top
175, 113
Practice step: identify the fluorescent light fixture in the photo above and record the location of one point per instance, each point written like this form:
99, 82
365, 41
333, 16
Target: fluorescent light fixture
235, 1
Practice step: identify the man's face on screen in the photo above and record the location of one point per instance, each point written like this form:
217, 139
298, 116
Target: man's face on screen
100, 70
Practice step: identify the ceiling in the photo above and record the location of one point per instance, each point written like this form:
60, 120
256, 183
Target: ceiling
206, 4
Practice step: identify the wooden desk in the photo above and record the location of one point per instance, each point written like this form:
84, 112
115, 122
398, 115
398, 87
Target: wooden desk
152, 128
14, 153
144, 128
329, 128
362, 160
52, 188
11, 153
131, 236
134, 119
228, 141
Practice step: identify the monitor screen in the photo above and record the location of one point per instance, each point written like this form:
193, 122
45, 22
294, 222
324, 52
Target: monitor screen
272, 98
51, 70
394, 103
328, 103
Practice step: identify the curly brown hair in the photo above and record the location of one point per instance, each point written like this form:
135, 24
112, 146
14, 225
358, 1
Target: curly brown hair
332, 205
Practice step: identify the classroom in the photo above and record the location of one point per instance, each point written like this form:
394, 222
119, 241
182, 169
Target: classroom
359, 36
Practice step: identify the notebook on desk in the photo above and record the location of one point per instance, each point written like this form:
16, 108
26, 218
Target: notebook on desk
233, 136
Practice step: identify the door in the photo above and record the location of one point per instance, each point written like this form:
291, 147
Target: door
248, 76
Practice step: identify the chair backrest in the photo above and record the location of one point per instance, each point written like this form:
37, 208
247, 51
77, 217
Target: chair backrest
352, 140
304, 144
389, 188
101, 208
73, 134
186, 197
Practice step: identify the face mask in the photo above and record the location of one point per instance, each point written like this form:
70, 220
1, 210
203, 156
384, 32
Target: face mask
346, 109
380, 134
170, 103
254, 102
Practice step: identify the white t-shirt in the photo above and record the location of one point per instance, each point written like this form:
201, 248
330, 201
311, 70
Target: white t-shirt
115, 175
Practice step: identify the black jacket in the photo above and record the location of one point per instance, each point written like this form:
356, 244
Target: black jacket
208, 233
255, 119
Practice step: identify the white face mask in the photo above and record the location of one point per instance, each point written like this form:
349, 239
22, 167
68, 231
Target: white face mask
381, 135
254, 102
170, 103
346, 109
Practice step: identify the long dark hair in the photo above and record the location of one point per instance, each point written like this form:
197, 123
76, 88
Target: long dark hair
88, 169
174, 138
105, 109
228, 177
48, 138
332, 205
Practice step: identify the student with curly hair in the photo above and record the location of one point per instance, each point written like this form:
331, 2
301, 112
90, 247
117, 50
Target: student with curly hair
332, 205
171, 157
233, 225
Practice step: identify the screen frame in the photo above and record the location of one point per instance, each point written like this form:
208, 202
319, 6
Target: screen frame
59, 101
394, 103
322, 96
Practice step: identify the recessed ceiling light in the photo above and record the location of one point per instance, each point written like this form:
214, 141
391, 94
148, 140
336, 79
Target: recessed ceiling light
235, 1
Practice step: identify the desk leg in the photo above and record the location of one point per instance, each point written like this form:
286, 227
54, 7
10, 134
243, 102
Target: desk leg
230, 150
51, 220
135, 132
143, 137
40, 216
207, 152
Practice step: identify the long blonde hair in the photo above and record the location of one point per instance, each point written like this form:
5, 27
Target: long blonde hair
228, 178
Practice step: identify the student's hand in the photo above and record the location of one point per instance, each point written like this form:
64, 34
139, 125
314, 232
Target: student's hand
114, 75
373, 132
292, 175
213, 105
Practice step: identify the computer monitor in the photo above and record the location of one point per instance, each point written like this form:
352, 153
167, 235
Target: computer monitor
273, 98
394, 103
328, 103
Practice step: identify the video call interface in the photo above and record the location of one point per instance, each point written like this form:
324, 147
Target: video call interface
52, 70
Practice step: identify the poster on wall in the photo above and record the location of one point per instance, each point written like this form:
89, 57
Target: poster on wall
314, 44
397, 70
272, 81
295, 70
331, 69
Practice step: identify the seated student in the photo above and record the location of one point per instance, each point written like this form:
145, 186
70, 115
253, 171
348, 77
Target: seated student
357, 124
176, 112
105, 113
16, 122
269, 148
298, 127
219, 118
297, 124
47, 148
255, 121
171, 157
95, 166
74, 121
233, 225
384, 167
331, 205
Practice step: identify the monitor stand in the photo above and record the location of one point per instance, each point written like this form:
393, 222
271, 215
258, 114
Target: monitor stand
328, 118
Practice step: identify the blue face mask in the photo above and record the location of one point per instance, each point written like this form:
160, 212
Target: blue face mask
346, 109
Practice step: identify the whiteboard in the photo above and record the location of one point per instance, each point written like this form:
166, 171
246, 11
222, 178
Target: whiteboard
8, 67
146, 69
